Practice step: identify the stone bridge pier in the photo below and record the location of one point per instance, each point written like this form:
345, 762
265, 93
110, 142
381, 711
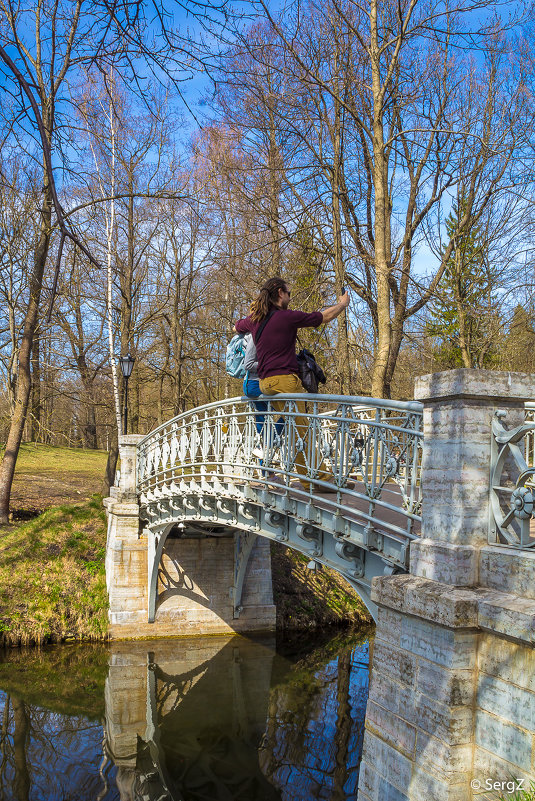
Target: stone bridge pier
197, 575
452, 699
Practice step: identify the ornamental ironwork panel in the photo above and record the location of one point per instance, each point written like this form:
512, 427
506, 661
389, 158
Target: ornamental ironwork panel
357, 452
512, 490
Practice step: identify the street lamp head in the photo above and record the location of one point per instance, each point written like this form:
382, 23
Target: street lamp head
127, 363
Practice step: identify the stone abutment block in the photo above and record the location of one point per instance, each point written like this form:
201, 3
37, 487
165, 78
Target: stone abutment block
452, 697
196, 575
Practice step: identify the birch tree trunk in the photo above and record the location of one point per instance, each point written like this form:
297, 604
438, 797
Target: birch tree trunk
344, 370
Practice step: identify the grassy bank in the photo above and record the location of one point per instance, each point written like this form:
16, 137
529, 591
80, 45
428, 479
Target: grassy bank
309, 599
52, 578
34, 457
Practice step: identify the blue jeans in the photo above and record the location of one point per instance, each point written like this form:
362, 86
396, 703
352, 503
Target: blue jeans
251, 388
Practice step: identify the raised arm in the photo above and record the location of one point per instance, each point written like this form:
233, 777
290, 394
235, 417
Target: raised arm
333, 311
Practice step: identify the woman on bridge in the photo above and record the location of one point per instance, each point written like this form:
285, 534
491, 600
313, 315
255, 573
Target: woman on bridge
251, 388
274, 329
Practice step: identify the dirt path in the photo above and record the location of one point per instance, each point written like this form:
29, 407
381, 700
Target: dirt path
33, 493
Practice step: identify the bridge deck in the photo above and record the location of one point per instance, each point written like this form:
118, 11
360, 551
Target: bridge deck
353, 506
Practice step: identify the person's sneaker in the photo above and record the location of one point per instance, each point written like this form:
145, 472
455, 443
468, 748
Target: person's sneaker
258, 452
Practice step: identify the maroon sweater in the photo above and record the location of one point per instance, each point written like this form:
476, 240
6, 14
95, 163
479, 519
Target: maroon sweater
276, 347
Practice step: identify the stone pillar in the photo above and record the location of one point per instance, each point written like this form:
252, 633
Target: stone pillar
442, 712
128, 473
126, 554
459, 406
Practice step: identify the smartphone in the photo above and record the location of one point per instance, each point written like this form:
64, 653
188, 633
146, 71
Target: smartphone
343, 290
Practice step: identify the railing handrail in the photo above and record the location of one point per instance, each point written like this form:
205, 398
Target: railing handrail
353, 400
354, 448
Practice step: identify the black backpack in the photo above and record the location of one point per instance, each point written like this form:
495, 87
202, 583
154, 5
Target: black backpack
310, 372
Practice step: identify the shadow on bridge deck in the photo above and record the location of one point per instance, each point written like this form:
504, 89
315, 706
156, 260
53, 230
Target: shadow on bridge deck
356, 506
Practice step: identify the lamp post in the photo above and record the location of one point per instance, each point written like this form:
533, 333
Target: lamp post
127, 363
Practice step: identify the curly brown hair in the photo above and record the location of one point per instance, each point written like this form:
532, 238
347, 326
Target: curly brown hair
268, 297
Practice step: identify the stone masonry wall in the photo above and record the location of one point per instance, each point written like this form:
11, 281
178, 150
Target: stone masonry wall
451, 709
195, 588
505, 710
420, 712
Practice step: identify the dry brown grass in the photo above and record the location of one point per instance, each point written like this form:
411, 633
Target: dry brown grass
47, 476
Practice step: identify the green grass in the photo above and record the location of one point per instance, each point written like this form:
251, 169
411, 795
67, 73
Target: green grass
525, 794
34, 457
52, 576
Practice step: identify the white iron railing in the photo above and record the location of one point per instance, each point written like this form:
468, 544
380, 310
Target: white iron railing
364, 453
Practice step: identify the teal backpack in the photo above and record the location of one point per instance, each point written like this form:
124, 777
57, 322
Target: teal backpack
236, 356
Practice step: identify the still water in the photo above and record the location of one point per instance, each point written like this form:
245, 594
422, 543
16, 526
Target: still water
206, 719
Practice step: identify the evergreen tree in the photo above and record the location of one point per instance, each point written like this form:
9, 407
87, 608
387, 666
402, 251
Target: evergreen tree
518, 352
464, 320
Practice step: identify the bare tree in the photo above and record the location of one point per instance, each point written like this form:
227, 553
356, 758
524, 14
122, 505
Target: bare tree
17, 233
419, 117
43, 50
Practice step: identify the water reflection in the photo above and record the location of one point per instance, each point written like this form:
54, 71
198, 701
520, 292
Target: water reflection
313, 739
209, 719
47, 755
185, 719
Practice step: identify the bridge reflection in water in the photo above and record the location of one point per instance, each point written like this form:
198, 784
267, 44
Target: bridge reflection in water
204, 719
229, 719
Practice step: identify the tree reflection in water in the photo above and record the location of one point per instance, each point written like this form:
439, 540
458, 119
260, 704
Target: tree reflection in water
313, 740
219, 720
50, 755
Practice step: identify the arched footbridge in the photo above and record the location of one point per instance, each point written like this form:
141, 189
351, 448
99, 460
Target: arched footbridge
344, 489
